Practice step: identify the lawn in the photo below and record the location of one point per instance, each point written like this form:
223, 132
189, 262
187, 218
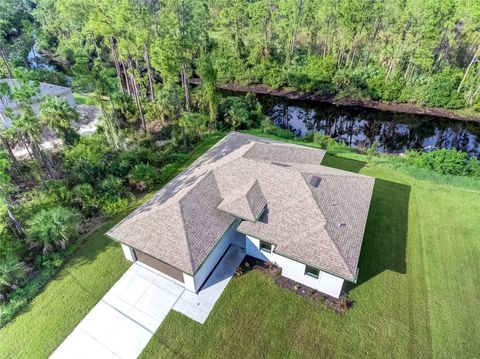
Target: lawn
417, 294
57, 310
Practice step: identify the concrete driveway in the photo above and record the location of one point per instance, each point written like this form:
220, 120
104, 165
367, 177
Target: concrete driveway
123, 322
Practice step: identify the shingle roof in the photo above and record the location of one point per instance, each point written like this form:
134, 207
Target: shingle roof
321, 226
247, 205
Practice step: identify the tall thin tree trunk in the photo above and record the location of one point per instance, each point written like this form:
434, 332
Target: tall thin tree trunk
18, 226
127, 79
136, 93
372, 42
186, 85
7, 65
150, 72
116, 62
43, 159
474, 59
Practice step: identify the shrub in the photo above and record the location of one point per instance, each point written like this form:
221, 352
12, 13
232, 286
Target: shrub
112, 187
12, 273
327, 142
59, 190
88, 159
85, 198
166, 172
55, 226
113, 206
316, 74
241, 112
267, 125
142, 176
442, 89
445, 161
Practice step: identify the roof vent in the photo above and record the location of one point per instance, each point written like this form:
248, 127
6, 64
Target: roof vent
315, 181
341, 225
280, 164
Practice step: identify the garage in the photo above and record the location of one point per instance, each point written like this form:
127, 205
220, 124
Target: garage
159, 265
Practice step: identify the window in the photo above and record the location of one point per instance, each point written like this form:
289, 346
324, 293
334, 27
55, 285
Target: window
266, 247
311, 272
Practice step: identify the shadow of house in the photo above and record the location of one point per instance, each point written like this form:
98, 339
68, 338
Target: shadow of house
385, 240
343, 163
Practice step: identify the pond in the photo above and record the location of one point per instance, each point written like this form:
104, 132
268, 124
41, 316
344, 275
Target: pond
393, 132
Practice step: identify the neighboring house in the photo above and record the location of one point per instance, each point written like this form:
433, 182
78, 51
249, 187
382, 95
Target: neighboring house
273, 199
44, 90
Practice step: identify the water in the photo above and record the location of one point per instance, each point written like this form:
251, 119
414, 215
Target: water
393, 132
37, 61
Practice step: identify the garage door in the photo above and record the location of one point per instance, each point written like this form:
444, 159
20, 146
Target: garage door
159, 265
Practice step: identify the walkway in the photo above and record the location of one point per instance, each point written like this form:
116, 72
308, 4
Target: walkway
123, 322
198, 306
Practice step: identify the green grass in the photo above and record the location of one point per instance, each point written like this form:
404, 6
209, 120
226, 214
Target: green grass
84, 99
78, 286
417, 293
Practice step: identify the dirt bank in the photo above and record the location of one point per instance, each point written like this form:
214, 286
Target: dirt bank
291, 94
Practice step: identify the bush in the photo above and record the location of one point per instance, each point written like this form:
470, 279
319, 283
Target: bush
142, 176
241, 112
54, 226
88, 159
327, 142
113, 206
85, 198
314, 74
442, 89
267, 125
112, 187
445, 161
12, 273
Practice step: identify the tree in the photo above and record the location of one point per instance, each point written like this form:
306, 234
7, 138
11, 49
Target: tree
209, 91
193, 125
50, 227
5, 189
57, 115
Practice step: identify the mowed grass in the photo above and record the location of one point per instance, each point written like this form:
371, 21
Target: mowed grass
417, 295
78, 286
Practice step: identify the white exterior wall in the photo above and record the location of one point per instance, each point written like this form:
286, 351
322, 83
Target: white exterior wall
326, 283
128, 253
211, 261
189, 282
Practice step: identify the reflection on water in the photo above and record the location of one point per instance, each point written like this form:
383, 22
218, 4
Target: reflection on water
393, 132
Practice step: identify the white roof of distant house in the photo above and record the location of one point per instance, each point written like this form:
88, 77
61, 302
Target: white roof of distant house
45, 90
312, 213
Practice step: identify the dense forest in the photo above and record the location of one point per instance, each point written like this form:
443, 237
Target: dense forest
423, 52
135, 60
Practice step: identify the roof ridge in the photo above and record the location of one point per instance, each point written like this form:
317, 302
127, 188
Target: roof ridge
331, 240
255, 184
189, 249
180, 206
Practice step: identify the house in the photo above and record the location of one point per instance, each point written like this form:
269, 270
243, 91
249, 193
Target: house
273, 199
44, 90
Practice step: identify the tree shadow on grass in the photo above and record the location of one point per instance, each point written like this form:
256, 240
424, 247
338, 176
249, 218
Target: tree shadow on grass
385, 240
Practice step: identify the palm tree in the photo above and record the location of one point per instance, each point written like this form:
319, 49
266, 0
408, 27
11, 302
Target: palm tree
57, 115
50, 227
12, 272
